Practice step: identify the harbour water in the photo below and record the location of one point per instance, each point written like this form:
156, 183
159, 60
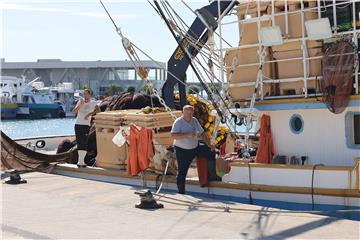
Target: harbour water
54, 127
38, 128
51, 127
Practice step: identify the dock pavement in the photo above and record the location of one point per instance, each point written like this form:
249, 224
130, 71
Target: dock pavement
58, 207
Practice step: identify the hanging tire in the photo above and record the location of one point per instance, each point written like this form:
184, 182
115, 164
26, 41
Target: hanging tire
61, 113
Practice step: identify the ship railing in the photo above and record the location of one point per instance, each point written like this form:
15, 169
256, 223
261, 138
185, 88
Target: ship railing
354, 32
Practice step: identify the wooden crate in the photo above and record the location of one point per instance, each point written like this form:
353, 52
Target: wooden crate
249, 7
294, 23
108, 124
137, 117
294, 68
249, 31
163, 138
240, 93
245, 56
297, 87
109, 155
297, 45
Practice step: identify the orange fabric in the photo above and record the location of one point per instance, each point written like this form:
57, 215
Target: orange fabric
265, 150
145, 148
202, 170
132, 166
222, 149
140, 150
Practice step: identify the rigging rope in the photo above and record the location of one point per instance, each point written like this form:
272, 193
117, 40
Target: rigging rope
196, 15
188, 56
197, 47
197, 72
130, 49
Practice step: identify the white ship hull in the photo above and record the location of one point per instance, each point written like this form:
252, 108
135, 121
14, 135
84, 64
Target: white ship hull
332, 185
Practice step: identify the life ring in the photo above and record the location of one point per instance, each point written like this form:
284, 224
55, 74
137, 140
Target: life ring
40, 144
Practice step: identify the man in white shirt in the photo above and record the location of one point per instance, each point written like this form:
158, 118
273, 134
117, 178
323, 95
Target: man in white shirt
85, 109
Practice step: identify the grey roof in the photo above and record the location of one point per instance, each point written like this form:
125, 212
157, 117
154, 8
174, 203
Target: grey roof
58, 63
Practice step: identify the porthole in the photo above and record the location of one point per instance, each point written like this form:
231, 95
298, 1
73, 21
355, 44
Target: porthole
296, 124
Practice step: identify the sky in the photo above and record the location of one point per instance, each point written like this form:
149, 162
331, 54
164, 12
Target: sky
81, 30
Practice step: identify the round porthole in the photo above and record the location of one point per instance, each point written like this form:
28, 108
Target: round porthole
296, 124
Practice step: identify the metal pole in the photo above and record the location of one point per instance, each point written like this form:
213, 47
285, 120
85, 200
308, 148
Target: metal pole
356, 44
334, 15
186, 54
304, 48
272, 13
260, 52
220, 45
286, 16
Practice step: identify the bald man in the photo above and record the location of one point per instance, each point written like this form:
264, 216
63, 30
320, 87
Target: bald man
186, 132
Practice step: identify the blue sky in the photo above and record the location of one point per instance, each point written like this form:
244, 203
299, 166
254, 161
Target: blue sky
80, 30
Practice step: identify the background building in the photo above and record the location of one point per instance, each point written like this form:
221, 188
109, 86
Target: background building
96, 75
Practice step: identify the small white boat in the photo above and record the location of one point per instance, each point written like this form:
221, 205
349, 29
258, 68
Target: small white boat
64, 95
32, 101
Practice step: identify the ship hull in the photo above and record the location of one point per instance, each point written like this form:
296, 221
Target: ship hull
8, 111
38, 111
333, 187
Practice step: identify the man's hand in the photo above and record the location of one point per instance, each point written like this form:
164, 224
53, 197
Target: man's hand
79, 103
205, 138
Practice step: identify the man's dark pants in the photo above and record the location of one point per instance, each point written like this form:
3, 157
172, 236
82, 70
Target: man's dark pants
184, 158
81, 134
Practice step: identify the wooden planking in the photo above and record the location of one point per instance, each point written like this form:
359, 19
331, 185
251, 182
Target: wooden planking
155, 124
135, 116
283, 166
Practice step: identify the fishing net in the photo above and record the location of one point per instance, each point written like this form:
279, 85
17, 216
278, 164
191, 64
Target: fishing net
16, 156
336, 84
132, 101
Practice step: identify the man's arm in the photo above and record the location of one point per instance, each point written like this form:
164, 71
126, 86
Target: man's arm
206, 139
78, 105
203, 136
